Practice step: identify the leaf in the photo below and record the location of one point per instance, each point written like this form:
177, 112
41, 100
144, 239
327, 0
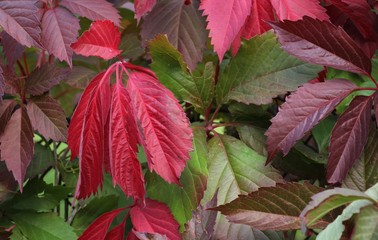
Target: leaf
254, 76
8, 186
185, 28
154, 217
322, 132
297, 9
302, 111
272, 208
143, 7
17, 144
163, 127
348, 138
42, 79
12, 49
6, 110
253, 137
93, 9
80, 77
19, 18
102, 40
2, 85
43, 158
100, 226
322, 43
117, 233
183, 200
366, 226
59, 29
376, 107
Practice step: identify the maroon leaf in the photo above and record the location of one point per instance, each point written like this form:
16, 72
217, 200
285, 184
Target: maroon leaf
102, 40
376, 107
302, 111
12, 49
47, 117
348, 138
164, 130
59, 29
142, 7
6, 109
19, 18
322, 43
296, 9
117, 233
153, 218
17, 145
98, 229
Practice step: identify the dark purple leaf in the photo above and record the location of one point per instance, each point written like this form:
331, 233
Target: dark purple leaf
6, 110
12, 49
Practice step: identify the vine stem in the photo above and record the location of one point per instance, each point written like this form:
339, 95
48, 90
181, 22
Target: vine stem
214, 114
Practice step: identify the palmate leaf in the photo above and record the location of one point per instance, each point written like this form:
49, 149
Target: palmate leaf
142, 7
296, 9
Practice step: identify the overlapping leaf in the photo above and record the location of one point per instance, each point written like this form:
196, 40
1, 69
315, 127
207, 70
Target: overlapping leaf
296, 9
118, 232
256, 23
142, 7
6, 109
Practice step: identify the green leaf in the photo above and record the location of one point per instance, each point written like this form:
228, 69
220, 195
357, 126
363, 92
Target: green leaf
366, 225
183, 200
261, 71
43, 159
43, 226
322, 132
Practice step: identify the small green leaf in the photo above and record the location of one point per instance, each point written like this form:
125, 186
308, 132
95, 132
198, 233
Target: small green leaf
366, 226
322, 132
43, 159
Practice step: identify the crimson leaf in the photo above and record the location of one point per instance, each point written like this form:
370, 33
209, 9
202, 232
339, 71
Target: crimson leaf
322, 43
296, 9
142, 7
2, 85
348, 138
117, 233
302, 111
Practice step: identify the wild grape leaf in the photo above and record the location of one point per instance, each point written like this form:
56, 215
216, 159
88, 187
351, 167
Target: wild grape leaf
6, 109
44, 78
117, 233
163, 127
348, 138
100, 226
154, 217
184, 27
376, 107
322, 43
8, 186
142, 7
225, 22
59, 29
297, 9
123, 139
366, 226
93, 9
272, 208
47, 117
12, 49
19, 18
17, 144
302, 111
102, 40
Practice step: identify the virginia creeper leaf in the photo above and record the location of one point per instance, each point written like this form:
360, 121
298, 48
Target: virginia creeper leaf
12, 49
302, 111
163, 127
256, 23
348, 138
102, 40
154, 217
366, 226
117, 233
297, 9
6, 109
59, 29
48, 118
17, 144
322, 43
254, 137
93, 9
142, 7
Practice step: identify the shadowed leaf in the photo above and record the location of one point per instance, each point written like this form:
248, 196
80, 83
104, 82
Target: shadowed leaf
6, 110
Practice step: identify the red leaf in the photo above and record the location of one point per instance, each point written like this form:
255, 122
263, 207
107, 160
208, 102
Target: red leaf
142, 7
117, 233
296, 9
17, 145
155, 217
322, 43
261, 12
302, 111
163, 127
93, 9
348, 138
376, 107
12, 49
225, 19
125, 167
102, 40
98, 229
6, 109
19, 18
59, 29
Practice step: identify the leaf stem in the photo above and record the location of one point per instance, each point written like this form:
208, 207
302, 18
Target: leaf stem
214, 114
374, 81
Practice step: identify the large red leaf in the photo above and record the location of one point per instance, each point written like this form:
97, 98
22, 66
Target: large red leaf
225, 20
93, 9
17, 145
163, 127
19, 18
117, 233
59, 29
348, 138
102, 40
154, 217
302, 111
12, 49
142, 7
322, 43
296, 9
125, 167
98, 229
261, 11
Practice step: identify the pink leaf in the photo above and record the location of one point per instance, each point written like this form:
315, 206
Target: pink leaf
93, 9
154, 217
348, 138
17, 145
142, 7
296, 9
98, 229
59, 29
302, 111
102, 40
225, 19
163, 127
12, 49
117, 233
376, 107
